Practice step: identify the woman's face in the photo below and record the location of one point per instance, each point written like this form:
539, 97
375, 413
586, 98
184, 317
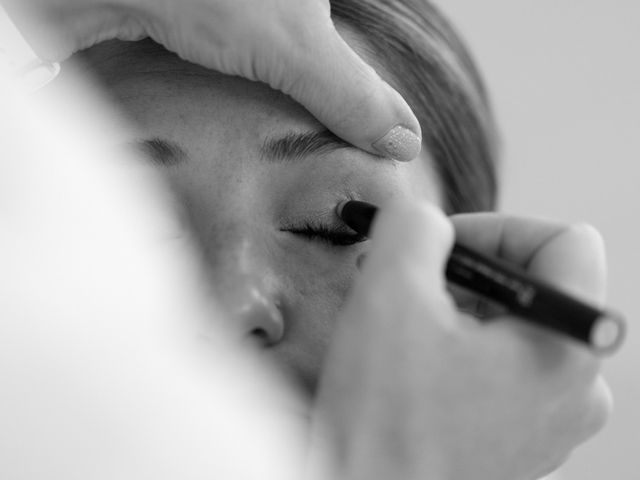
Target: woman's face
259, 180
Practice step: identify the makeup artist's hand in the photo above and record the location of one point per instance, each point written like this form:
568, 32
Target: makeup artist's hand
414, 389
290, 44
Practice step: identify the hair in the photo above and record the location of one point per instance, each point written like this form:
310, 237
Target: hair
434, 72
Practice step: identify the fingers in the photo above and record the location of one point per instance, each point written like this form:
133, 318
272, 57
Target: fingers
569, 256
423, 373
347, 95
411, 243
575, 259
415, 234
390, 322
515, 239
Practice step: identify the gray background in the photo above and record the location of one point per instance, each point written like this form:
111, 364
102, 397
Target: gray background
565, 82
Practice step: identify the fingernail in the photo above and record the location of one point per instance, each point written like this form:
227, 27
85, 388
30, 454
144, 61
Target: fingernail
399, 143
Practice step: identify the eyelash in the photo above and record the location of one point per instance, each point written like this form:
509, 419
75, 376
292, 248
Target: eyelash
326, 234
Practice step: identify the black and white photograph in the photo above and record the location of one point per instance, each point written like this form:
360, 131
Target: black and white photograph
319, 239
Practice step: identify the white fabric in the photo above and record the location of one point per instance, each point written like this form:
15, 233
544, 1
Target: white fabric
18, 59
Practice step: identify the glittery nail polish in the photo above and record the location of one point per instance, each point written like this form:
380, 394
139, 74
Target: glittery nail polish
399, 143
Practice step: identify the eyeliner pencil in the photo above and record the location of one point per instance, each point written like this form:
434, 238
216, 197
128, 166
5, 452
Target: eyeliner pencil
505, 284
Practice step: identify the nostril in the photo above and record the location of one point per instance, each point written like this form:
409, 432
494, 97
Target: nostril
257, 314
260, 335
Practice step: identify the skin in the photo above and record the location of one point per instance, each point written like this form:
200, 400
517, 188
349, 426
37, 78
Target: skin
289, 293
439, 395
280, 287
429, 394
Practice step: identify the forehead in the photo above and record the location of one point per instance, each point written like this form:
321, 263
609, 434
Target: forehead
144, 68
203, 109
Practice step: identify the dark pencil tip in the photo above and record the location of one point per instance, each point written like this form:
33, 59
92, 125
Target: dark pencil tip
357, 215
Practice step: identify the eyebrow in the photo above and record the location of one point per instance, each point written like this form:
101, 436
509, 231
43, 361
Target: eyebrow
290, 147
162, 152
296, 146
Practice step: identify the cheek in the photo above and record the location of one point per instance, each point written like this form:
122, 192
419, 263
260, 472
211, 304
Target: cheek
321, 277
318, 286
315, 300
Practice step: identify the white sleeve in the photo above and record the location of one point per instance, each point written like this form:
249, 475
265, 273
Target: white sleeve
18, 60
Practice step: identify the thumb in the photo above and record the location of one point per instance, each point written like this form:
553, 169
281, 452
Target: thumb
348, 96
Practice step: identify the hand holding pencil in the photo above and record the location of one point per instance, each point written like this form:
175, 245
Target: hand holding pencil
404, 356
506, 285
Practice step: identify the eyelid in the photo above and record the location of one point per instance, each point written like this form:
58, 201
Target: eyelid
325, 219
320, 210
320, 226
337, 235
330, 238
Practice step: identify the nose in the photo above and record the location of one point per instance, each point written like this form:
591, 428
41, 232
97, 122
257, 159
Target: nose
255, 313
245, 279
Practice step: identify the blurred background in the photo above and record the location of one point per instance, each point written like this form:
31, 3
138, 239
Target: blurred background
565, 81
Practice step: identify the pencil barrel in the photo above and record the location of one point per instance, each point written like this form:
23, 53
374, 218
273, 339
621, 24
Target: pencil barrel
534, 300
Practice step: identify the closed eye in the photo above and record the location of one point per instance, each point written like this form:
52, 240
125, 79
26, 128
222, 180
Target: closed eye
337, 237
